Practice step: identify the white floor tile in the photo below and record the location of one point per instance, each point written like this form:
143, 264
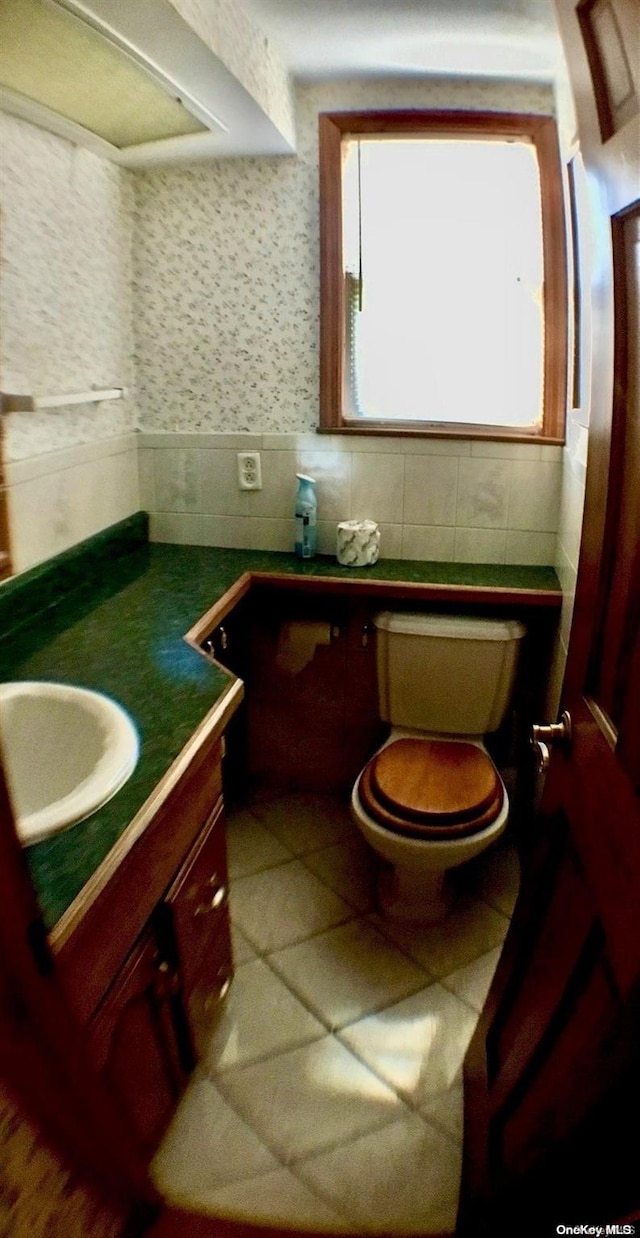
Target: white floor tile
349, 868
276, 1198
305, 823
242, 950
284, 905
404, 1178
259, 1017
417, 1045
206, 1146
251, 847
446, 1110
472, 982
494, 876
348, 972
471, 929
331, 1107
310, 1098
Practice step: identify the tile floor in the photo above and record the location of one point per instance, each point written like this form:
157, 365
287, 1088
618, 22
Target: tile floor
331, 1097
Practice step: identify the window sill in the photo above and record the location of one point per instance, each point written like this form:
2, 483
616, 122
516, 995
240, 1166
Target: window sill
404, 429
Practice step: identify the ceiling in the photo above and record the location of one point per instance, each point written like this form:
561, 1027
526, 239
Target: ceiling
318, 40
328, 39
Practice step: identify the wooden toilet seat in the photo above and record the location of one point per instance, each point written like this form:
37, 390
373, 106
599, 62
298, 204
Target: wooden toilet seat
432, 788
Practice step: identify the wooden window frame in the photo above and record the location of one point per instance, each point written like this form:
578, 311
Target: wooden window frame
541, 131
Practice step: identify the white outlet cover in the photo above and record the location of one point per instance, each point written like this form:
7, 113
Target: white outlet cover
249, 470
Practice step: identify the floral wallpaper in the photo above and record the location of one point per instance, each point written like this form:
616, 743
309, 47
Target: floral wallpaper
229, 31
65, 286
226, 269
225, 283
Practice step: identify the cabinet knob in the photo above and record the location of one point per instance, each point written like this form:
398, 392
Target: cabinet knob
167, 980
212, 999
217, 899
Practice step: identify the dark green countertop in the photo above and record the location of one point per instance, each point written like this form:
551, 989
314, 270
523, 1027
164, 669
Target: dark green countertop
112, 614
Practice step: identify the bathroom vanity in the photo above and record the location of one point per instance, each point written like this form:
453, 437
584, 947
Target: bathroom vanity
146, 961
135, 899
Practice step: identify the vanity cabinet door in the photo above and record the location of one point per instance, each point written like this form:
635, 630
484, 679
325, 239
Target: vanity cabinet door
196, 920
133, 1042
311, 695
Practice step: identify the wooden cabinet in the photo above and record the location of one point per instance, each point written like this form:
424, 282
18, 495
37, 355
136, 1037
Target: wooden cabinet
108, 920
162, 923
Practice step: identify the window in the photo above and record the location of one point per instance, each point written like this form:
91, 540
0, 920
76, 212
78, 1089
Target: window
443, 277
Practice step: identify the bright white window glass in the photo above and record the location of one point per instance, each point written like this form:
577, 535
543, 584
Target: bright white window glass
450, 234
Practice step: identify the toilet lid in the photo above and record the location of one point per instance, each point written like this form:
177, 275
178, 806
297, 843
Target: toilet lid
432, 787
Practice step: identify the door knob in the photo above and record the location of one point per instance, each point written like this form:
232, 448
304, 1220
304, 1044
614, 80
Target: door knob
545, 736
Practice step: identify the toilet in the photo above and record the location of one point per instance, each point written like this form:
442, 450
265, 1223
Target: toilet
431, 797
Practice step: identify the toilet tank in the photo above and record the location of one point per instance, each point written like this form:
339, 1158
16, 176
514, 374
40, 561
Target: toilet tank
450, 674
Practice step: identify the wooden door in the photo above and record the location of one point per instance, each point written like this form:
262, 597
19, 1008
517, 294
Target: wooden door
553, 1073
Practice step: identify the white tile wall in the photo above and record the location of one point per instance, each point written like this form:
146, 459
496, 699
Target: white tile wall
461, 501
483, 493
62, 497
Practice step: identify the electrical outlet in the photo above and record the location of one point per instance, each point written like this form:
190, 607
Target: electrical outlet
249, 470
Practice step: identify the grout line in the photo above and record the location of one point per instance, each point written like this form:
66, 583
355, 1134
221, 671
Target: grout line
287, 1161
406, 1099
283, 980
263, 952
335, 1028
325, 1198
365, 914
341, 839
406, 1105
336, 1031
266, 1056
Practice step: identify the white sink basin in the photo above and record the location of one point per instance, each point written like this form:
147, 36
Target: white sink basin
66, 751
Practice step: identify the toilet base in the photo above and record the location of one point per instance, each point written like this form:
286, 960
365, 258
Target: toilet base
415, 898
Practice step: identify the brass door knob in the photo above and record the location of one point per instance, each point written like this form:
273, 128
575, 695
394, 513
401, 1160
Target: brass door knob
544, 736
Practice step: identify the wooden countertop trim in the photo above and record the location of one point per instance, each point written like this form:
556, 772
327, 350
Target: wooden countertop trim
428, 591
219, 611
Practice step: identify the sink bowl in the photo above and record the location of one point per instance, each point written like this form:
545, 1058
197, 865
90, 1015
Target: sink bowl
66, 751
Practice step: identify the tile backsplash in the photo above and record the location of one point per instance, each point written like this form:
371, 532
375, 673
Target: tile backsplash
434, 499
61, 497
